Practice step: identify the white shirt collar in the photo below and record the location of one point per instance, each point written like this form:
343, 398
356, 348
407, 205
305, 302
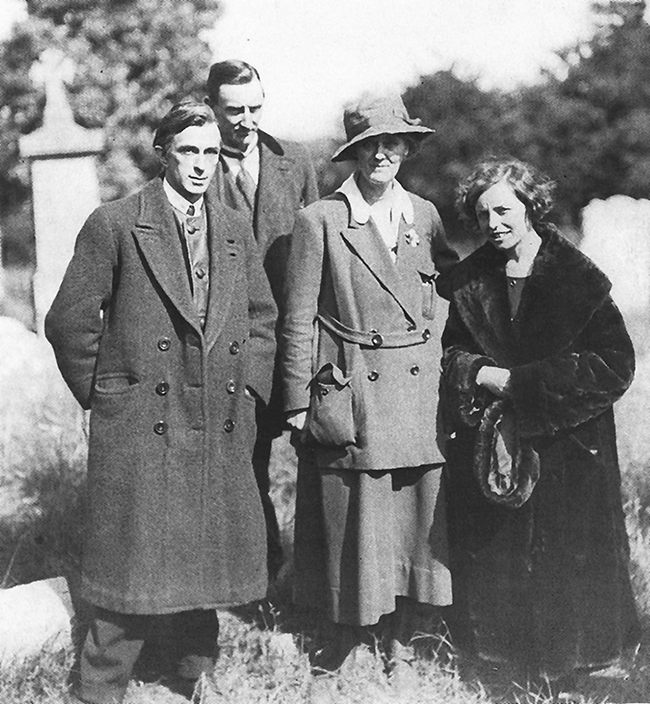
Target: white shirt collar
361, 209
250, 161
177, 201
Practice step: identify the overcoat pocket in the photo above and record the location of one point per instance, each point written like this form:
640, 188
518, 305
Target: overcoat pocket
331, 417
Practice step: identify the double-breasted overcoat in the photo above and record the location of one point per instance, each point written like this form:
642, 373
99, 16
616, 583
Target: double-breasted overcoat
361, 336
174, 515
545, 584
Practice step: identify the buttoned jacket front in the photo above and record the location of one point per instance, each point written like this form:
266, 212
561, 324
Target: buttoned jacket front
361, 336
175, 520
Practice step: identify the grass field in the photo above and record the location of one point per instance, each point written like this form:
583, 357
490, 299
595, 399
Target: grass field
263, 649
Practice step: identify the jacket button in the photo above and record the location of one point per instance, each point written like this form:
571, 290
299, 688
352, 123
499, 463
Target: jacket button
164, 344
162, 388
415, 370
229, 425
377, 340
231, 387
373, 375
160, 428
234, 347
426, 334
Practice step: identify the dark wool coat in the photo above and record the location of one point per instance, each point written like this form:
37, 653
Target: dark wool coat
287, 183
545, 584
175, 520
372, 405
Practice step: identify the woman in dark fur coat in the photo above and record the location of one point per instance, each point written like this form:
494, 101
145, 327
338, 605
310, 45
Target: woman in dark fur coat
535, 355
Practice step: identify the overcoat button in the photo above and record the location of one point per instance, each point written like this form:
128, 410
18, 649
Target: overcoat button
415, 370
200, 273
231, 387
373, 375
160, 428
164, 344
162, 388
234, 347
229, 425
377, 340
426, 334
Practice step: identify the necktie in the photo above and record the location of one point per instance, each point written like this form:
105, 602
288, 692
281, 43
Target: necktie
190, 210
247, 187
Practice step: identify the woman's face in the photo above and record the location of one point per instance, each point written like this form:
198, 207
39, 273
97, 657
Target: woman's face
502, 217
379, 158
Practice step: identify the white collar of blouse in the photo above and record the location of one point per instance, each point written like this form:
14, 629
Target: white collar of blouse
361, 209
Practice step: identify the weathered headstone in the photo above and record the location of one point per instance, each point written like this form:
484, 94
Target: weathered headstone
65, 188
616, 235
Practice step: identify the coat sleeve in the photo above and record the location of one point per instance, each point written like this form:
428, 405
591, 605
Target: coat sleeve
565, 390
303, 283
444, 256
263, 315
462, 400
74, 323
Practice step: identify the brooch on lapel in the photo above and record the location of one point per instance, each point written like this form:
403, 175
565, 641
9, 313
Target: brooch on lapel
412, 238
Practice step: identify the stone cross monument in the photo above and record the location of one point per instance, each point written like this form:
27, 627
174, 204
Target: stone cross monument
65, 188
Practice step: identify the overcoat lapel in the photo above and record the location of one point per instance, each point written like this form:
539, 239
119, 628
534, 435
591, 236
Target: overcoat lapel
225, 251
157, 236
544, 325
482, 303
275, 169
366, 242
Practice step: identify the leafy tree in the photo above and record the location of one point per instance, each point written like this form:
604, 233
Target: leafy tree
134, 58
467, 121
590, 128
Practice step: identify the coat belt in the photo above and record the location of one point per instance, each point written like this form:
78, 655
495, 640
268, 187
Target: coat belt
374, 338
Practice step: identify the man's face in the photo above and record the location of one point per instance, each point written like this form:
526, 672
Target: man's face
191, 159
238, 109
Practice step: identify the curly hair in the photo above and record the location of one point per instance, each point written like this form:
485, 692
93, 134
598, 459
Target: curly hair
534, 189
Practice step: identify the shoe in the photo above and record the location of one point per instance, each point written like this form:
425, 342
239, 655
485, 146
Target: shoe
400, 666
339, 652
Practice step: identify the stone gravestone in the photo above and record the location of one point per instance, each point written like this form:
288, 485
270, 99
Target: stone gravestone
65, 188
616, 235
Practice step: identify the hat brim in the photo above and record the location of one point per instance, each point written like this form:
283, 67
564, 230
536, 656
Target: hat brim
345, 152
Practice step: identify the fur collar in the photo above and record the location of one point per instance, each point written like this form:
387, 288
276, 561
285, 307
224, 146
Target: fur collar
563, 291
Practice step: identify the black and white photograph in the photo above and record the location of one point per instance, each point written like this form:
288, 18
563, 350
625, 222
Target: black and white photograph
324, 352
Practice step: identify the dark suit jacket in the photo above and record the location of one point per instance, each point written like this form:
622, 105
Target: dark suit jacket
287, 183
175, 520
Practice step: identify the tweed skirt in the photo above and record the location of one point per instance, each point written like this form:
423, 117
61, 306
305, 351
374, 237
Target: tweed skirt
363, 538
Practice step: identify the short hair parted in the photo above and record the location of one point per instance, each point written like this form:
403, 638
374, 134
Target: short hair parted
231, 72
533, 188
187, 113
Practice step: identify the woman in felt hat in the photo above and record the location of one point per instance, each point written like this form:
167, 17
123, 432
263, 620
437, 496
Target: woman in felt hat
361, 356
535, 355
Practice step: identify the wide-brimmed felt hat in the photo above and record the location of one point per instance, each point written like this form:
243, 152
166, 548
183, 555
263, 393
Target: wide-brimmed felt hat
375, 115
506, 467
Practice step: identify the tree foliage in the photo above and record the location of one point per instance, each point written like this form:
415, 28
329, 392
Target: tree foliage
133, 59
587, 126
